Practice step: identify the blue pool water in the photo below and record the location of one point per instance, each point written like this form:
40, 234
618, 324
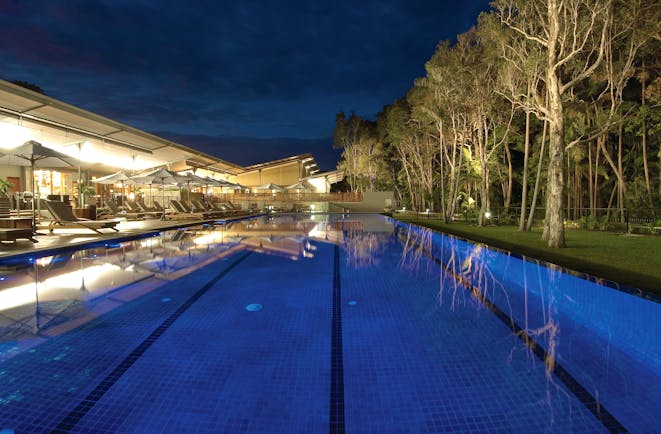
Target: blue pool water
351, 323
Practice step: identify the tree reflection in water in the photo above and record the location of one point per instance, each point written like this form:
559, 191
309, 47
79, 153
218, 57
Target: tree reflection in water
364, 249
475, 276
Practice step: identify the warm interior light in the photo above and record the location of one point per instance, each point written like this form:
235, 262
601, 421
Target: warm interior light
92, 153
13, 135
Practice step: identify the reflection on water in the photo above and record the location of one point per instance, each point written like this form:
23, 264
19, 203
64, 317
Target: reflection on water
607, 340
469, 274
364, 249
52, 294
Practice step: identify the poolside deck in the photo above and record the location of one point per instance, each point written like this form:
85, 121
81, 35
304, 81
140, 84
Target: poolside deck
67, 237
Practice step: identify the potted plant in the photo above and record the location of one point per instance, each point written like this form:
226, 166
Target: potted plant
4, 187
86, 191
5, 204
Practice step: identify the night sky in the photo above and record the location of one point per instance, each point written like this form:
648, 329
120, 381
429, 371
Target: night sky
246, 81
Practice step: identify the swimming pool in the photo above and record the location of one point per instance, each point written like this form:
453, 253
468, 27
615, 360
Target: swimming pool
351, 323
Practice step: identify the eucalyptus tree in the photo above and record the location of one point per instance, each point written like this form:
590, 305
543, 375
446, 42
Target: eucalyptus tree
393, 129
572, 35
431, 101
520, 80
631, 29
489, 118
597, 112
449, 109
419, 148
362, 155
638, 37
346, 137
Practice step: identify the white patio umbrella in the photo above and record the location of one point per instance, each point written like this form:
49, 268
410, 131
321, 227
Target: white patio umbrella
298, 187
210, 182
160, 176
35, 154
228, 185
191, 179
120, 177
270, 186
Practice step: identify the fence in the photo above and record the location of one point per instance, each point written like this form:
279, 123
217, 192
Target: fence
293, 197
639, 220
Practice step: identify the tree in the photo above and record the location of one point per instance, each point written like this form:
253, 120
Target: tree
362, 158
31, 86
572, 35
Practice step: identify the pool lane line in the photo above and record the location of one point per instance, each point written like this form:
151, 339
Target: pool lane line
75, 415
337, 423
595, 407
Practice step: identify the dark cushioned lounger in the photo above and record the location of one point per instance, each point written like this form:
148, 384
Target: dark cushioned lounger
63, 216
13, 234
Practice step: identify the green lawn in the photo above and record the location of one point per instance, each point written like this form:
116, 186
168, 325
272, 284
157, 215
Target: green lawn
633, 260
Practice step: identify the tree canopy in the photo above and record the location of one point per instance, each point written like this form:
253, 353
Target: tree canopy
551, 104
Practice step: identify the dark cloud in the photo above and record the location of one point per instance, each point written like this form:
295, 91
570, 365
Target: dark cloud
216, 68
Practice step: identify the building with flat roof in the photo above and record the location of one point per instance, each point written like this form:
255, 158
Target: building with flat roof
98, 146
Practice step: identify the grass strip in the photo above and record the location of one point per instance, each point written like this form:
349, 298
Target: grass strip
632, 260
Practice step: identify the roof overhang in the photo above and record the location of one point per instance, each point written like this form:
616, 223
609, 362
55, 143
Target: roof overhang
332, 177
96, 140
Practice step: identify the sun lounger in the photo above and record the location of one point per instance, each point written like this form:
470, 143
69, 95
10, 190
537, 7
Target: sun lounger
228, 209
183, 212
63, 216
200, 212
141, 207
158, 206
117, 212
12, 234
213, 212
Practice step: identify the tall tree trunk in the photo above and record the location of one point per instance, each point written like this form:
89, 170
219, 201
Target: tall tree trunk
590, 185
524, 181
442, 151
578, 188
456, 175
648, 184
620, 179
533, 204
596, 201
554, 229
618, 173
483, 139
510, 178
569, 189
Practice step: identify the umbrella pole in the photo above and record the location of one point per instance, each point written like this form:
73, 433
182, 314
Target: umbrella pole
36, 204
80, 181
34, 209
